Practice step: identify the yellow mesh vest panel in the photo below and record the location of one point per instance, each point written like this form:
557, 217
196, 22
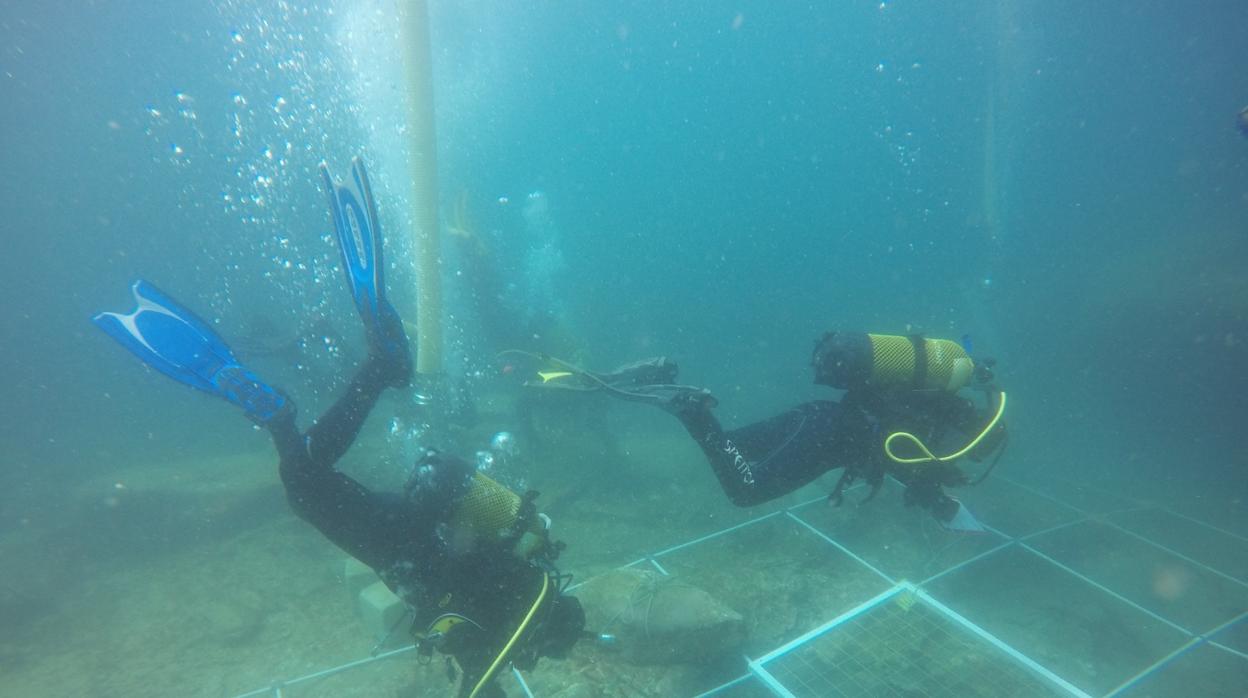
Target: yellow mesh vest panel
487, 507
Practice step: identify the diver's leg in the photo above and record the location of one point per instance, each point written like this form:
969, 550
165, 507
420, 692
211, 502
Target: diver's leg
292, 447
767, 459
753, 464
317, 492
389, 360
332, 434
343, 510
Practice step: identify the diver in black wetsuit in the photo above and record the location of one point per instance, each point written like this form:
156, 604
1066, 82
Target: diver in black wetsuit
473, 560
466, 554
899, 390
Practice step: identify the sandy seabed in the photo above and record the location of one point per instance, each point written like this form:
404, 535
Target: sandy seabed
194, 579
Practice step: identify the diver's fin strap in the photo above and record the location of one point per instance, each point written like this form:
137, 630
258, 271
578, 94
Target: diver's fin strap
260, 402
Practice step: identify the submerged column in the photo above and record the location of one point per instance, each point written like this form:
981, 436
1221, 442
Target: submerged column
423, 191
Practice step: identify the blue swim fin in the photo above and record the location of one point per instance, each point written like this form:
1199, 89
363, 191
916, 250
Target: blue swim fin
359, 240
176, 342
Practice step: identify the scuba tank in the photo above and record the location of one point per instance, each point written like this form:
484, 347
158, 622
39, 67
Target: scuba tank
878, 366
846, 360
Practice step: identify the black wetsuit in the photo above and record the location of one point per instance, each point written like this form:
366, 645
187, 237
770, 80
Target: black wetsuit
767, 459
400, 537
381, 530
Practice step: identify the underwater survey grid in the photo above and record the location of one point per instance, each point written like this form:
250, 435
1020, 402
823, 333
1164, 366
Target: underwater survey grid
421, 348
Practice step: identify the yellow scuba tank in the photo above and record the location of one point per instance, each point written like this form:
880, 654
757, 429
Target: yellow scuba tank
856, 360
494, 512
487, 508
847, 360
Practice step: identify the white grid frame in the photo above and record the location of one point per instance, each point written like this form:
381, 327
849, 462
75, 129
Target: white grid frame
758, 671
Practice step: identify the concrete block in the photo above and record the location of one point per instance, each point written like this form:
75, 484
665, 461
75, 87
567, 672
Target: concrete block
357, 576
380, 611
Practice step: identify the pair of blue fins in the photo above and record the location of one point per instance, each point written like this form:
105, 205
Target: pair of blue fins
172, 339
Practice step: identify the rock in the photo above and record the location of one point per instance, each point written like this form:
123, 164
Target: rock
235, 619
658, 619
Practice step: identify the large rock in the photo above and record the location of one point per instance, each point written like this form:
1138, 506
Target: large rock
658, 619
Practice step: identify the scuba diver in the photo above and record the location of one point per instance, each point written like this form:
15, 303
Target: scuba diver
899, 403
472, 559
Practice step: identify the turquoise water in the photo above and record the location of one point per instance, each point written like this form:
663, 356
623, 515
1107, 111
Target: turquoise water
1062, 181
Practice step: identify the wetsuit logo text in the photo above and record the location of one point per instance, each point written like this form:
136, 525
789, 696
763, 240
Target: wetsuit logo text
739, 461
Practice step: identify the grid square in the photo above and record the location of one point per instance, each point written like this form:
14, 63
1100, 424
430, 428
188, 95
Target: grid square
1065, 624
902, 543
1216, 504
903, 648
1218, 549
1206, 671
1234, 637
783, 578
1015, 511
1167, 585
1081, 497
